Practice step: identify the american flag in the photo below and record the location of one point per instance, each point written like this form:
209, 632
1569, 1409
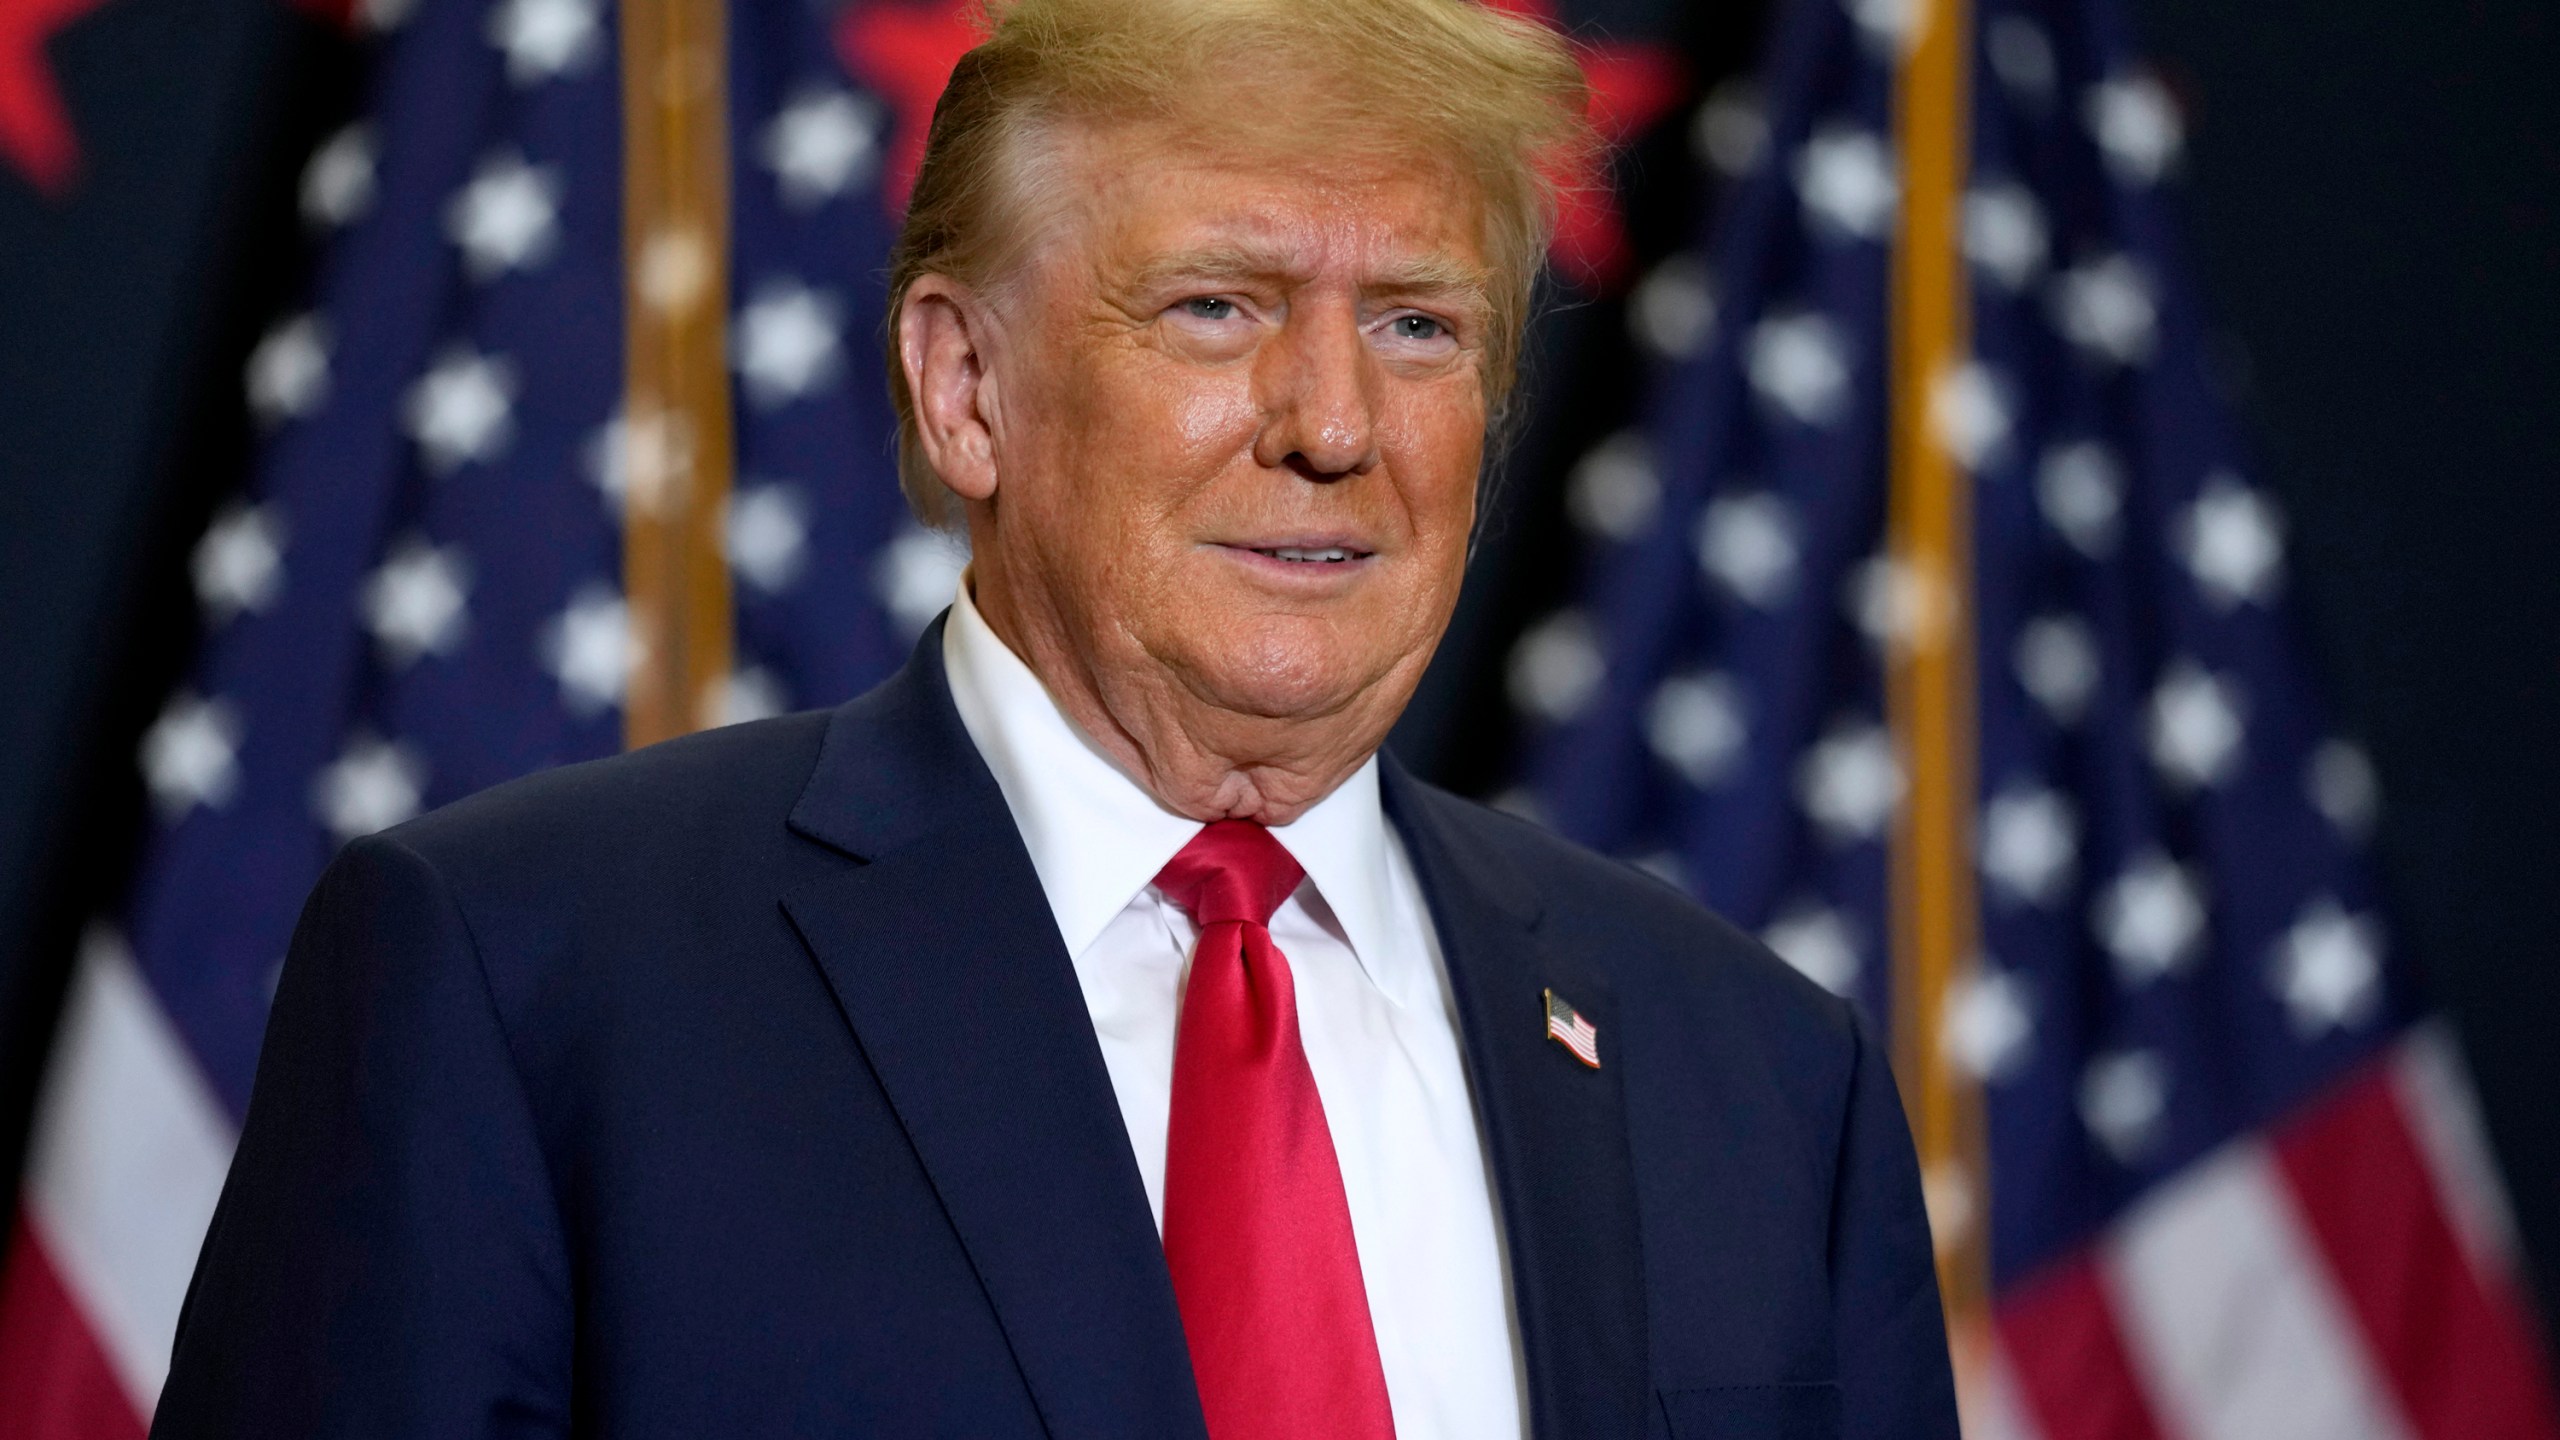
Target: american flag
421, 594
2199, 1166
1576, 1034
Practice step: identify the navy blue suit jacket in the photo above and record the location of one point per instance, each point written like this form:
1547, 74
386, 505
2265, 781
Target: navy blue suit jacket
742, 1087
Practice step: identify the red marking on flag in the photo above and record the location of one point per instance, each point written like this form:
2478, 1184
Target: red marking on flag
341, 13
35, 132
2461, 1356
905, 53
2073, 1372
55, 1376
1632, 86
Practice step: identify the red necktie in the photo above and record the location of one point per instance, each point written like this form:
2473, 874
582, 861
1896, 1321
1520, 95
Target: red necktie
1255, 1226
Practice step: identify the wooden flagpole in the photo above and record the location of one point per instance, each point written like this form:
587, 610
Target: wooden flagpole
1930, 682
675, 448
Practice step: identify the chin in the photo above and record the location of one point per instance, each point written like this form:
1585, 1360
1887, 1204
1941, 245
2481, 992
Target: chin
1290, 669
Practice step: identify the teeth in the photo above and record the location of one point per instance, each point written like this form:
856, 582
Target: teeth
1330, 555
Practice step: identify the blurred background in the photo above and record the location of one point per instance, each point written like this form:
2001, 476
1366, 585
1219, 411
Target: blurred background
2039, 510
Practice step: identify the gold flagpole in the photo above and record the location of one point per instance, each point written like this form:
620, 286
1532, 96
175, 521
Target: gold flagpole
1930, 694
675, 437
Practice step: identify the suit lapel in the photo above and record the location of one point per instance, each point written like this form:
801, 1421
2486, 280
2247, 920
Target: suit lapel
932, 930
1556, 1130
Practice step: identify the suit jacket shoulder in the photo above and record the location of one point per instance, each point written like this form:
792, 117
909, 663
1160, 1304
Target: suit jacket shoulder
685, 802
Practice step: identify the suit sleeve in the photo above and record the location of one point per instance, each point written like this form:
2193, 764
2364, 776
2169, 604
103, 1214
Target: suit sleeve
1895, 1376
387, 1258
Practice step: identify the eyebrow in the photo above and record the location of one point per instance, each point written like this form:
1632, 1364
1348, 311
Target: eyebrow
1428, 276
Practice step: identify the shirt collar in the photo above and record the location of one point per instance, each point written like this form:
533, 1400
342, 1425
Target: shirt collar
1097, 838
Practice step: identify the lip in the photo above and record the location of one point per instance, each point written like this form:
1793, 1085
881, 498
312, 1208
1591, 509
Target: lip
1359, 548
1300, 573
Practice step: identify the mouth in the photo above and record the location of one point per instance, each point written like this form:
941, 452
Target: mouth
1301, 565
1309, 554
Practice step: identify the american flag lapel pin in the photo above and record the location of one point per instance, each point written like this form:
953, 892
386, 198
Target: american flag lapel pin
1566, 1027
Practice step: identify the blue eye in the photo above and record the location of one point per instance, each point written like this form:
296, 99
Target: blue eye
1418, 327
1210, 307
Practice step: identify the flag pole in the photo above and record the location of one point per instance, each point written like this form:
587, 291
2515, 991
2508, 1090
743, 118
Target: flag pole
674, 437
1930, 688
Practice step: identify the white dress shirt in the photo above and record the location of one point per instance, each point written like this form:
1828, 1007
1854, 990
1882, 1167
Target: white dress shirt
1374, 1011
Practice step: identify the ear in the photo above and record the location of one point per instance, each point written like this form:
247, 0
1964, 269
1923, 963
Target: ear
943, 345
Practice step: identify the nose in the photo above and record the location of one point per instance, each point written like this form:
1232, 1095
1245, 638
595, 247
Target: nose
1319, 396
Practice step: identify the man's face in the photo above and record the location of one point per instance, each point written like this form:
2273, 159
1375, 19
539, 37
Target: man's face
1236, 425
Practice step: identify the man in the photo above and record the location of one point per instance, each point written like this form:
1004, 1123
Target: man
1087, 1033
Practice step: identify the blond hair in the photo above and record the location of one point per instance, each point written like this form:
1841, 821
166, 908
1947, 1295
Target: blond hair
1499, 98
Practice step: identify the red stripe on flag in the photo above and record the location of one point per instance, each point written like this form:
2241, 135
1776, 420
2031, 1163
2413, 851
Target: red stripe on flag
57, 1381
2461, 1357
2072, 1372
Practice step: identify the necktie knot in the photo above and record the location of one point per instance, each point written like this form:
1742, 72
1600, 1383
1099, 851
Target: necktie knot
1231, 870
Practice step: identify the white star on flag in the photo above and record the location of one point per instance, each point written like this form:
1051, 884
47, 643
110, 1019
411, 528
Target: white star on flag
1731, 130
545, 39
462, 410
1987, 1029
1664, 866
916, 574
2022, 56
2105, 307
373, 785
1818, 942
1694, 723
1557, 667
288, 373
1797, 363
2197, 735
767, 536
507, 217
820, 144
338, 181
1845, 179
191, 755
239, 564
785, 341
1673, 309
590, 649
2123, 1098
1850, 783
1948, 1195
384, 16
2030, 843
2057, 662
674, 269
2151, 919
1970, 415
2136, 125
1747, 544
2344, 788
414, 602
2328, 969
2004, 233
1898, 603
750, 693
642, 462
2232, 541
1889, 27
1615, 490
2080, 489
